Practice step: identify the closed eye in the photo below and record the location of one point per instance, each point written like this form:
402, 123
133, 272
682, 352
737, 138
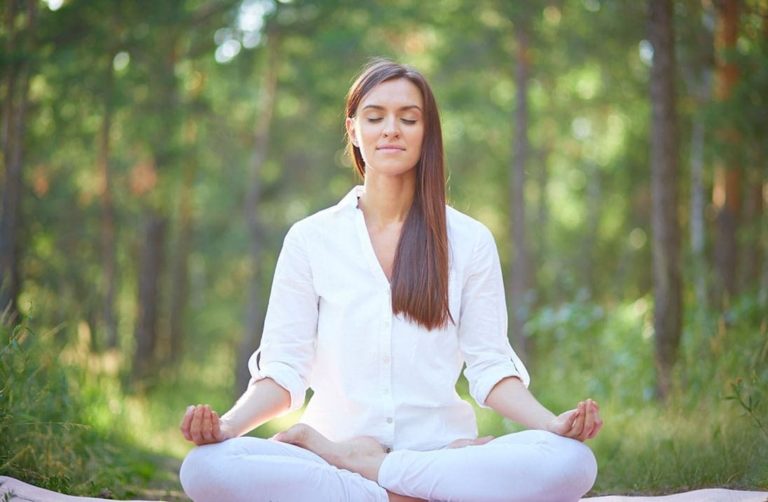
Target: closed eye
408, 121
374, 120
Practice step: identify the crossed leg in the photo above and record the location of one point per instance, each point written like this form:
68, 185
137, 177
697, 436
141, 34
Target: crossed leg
248, 469
526, 466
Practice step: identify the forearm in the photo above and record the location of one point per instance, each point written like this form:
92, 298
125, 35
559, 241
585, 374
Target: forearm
511, 399
261, 402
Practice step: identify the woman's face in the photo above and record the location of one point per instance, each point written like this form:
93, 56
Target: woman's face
388, 128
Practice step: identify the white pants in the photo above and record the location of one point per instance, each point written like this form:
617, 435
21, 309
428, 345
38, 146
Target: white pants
526, 466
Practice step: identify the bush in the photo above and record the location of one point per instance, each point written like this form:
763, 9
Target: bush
45, 439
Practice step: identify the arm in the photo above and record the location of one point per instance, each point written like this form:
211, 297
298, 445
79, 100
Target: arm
497, 377
280, 376
261, 402
511, 399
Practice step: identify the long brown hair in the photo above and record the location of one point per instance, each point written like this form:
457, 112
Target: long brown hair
420, 271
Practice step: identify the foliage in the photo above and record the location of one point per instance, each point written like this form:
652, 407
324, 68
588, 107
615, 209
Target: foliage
51, 431
181, 84
711, 432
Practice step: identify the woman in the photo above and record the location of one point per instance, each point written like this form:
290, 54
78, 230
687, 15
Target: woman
377, 303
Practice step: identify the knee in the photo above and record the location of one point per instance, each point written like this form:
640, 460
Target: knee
198, 473
577, 469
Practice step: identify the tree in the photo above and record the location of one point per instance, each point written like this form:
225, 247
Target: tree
727, 186
20, 25
664, 178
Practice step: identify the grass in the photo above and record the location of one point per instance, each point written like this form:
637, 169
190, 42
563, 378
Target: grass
68, 424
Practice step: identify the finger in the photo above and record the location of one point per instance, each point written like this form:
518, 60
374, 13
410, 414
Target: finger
598, 421
458, 443
484, 440
207, 430
184, 427
572, 418
598, 426
195, 428
578, 424
589, 420
572, 422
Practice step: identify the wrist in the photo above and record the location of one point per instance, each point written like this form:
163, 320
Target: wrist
227, 429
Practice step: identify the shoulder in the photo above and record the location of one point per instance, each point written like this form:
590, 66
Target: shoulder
463, 228
319, 224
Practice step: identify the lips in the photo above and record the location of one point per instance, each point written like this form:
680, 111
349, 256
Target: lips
390, 147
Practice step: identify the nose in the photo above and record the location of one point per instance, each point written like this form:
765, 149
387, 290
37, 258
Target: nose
390, 128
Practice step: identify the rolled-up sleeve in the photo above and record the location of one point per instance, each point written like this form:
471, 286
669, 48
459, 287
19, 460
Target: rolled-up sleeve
483, 322
290, 326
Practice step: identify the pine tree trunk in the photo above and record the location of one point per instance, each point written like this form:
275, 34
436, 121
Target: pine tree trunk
180, 266
108, 245
521, 266
150, 269
542, 214
15, 102
751, 246
697, 215
727, 186
256, 306
664, 178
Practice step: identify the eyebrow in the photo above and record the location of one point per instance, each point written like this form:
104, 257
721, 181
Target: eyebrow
378, 107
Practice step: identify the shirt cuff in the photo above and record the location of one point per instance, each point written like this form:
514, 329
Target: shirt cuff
285, 377
480, 388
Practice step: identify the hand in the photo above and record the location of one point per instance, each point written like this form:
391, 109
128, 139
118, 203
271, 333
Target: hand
581, 423
201, 425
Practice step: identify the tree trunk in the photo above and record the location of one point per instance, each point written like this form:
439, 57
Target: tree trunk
542, 213
17, 80
108, 245
255, 308
727, 186
698, 257
751, 245
664, 176
180, 266
521, 265
150, 269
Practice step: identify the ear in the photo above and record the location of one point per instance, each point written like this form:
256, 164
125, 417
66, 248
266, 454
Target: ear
350, 125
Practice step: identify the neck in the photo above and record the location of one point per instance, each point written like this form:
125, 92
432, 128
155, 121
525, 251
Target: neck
387, 199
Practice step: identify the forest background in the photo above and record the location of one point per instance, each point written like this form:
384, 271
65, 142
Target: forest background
155, 153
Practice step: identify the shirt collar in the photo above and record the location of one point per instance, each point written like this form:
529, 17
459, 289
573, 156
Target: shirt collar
349, 201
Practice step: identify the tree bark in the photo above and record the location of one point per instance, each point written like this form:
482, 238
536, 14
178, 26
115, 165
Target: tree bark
697, 215
727, 186
542, 213
255, 308
664, 178
108, 245
180, 266
150, 269
751, 245
12, 135
521, 264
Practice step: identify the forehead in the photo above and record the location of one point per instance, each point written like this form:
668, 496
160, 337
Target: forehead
397, 93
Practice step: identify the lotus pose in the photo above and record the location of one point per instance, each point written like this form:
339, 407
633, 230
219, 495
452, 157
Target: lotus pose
377, 304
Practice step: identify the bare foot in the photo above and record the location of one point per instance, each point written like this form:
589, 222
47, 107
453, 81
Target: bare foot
461, 443
362, 455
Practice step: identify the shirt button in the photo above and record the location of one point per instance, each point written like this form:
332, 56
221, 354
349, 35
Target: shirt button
389, 420
386, 359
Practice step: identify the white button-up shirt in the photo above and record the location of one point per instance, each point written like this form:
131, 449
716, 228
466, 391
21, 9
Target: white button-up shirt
330, 326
